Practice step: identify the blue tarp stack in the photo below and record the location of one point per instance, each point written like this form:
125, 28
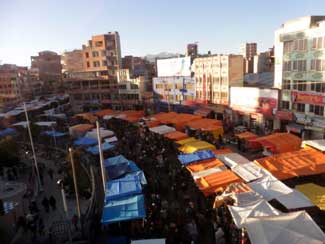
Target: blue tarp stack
123, 196
105, 147
54, 133
85, 141
8, 132
189, 158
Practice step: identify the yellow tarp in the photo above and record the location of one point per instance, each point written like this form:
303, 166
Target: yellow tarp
314, 192
192, 147
187, 140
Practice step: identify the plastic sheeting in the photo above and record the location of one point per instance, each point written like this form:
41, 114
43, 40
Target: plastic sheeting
295, 200
162, 129
232, 159
317, 144
85, 141
105, 147
249, 171
186, 159
123, 209
111, 139
122, 187
270, 187
103, 133
207, 172
258, 209
297, 227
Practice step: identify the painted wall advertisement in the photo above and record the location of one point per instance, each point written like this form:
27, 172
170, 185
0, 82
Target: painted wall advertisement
254, 100
174, 67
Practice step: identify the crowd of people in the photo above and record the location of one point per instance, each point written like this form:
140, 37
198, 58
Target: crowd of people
176, 209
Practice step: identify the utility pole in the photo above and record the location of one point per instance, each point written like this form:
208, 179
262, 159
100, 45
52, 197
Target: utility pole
33, 150
75, 181
101, 156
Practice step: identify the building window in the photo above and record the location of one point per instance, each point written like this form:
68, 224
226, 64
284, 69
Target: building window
88, 64
317, 64
104, 63
95, 54
287, 66
300, 107
299, 65
87, 55
285, 104
302, 85
99, 43
96, 63
104, 53
300, 45
318, 110
286, 85
288, 46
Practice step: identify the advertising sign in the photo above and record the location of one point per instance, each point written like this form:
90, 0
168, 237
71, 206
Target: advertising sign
284, 115
254, 100
303, 97
174, 67
174, 86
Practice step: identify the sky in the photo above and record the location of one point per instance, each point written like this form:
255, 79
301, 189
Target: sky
145, 27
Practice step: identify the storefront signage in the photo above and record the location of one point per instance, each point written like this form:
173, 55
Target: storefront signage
299, 97
284, 115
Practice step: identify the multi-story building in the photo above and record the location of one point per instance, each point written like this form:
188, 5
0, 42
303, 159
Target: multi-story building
214, 75
300, 73
10, 84
49, 67
102, 55
72, 62
264, 62
88, 94
248, 50
192, 50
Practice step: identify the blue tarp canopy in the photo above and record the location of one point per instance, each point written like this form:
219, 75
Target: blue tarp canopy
85, 141
117, 170
126, 208
7, 132
194, 157
122, 187
115, 160
105, 147
54, 133
139, 175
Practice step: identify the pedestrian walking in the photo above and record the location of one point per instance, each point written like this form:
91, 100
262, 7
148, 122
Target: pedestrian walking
52, 203
46, 204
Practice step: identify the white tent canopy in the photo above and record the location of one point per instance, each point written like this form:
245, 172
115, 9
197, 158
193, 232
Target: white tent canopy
40, 123
246, 198
295, 200
318, 144
162, 129
270, 187
232, 159
249, 171
111, 139
103, 133
203, 173
296, 227
258, 209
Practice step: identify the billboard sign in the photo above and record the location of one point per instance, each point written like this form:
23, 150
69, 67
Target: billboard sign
174, 67
303, 97
174, 86
254, 100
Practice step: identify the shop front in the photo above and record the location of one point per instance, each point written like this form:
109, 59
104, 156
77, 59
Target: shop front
282, 119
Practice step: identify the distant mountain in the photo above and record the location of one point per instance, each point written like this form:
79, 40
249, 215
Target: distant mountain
152, 57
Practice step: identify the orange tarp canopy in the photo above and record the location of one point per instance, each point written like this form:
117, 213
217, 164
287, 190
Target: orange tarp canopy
91, 118
152, 123
105, 112
280, 142
292, 164
132, 115
205, 164
203, 123
217, 182
222, 151
176, 135
246, 135
82, 127
178, 120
